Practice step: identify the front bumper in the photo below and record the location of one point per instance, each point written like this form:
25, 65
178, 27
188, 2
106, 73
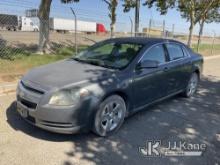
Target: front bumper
60, 119
67, 127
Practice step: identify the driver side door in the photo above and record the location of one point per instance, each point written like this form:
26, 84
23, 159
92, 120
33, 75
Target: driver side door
151, 84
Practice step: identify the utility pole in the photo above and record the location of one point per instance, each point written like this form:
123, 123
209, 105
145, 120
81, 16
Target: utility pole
137, 11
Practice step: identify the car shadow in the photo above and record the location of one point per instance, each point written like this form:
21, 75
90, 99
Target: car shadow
194, 120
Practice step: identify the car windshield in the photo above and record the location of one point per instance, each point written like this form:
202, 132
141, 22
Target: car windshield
110, 55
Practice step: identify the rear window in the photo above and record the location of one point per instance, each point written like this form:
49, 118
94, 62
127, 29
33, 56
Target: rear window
175, 51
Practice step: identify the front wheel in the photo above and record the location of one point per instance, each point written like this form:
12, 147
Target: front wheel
110, 116
192, 85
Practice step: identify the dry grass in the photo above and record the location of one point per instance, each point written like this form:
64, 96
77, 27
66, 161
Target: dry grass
206, 49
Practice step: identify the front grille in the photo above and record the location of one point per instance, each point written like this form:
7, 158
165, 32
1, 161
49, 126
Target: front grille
27, 103
31, 89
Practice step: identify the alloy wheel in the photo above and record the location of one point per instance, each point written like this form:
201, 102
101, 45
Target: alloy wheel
192, 85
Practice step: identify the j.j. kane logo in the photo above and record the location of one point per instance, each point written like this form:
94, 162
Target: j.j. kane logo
181, 148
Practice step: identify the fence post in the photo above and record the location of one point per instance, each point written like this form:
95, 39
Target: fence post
131, 26
149, 28
76, 45
213, 42
164, 33
173, 28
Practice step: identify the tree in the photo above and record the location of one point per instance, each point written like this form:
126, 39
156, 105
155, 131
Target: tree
195, 11
112, 6
43, 15
212, 16
192, 10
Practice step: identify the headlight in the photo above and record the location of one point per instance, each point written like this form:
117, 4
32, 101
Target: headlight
67, 97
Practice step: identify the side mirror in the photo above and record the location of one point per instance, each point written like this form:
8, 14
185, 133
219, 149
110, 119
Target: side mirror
148, 64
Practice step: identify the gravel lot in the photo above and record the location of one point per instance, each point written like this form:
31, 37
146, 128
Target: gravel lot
194, 120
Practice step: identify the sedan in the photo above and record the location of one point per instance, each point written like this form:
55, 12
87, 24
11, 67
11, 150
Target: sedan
101, 86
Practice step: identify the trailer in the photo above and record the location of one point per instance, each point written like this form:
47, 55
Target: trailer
68, 25
9, 22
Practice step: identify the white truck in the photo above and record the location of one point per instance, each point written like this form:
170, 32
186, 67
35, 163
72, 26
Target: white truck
14, 23
26, 24
64, 25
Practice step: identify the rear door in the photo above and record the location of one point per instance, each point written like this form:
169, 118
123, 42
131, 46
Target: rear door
179, 67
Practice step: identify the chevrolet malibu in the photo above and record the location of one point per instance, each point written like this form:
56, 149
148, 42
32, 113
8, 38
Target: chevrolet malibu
98, 88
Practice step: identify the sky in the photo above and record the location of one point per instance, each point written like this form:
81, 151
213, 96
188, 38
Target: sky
97, 11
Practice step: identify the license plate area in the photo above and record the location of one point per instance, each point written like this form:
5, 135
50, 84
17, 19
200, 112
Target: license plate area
22, 111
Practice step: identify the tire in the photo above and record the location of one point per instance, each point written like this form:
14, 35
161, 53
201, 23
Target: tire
110, 116
192, 85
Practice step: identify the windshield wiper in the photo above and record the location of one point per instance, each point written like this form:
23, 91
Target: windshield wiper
94, 62
79, 60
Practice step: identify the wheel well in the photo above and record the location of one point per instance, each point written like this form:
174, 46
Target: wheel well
121, 94
197, 72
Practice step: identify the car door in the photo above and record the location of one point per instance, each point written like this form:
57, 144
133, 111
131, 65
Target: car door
179, 67
150, 84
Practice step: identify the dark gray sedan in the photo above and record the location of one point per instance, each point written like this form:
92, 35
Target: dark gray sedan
97, 89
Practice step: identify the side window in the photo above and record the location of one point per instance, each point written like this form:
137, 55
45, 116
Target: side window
186, 53
155, 54
175, 51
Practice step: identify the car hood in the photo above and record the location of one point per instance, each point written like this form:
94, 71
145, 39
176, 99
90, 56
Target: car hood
66, 72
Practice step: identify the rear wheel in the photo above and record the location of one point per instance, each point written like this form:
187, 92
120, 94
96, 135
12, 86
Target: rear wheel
192, 85
110, 116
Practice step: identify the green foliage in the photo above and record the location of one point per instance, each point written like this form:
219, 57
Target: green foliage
10, 53
128, 4
13, 53
162, 5
192, 10
213, 15
198, 10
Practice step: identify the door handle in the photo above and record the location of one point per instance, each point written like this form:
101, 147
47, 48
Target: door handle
165, 69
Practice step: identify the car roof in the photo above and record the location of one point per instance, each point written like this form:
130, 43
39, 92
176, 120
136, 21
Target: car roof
143, 40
